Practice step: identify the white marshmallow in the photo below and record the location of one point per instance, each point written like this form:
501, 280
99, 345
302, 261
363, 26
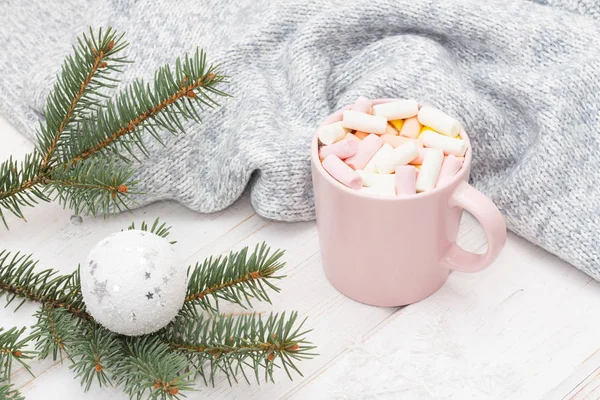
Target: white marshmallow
371, 179
329, 134
401, 109
384, 152
448, 145
401, 155
430, 170
364, 122
439, 120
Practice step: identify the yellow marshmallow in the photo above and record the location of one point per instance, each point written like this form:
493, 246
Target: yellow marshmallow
397, 124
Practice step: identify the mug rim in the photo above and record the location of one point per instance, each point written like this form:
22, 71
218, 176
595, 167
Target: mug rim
337, 116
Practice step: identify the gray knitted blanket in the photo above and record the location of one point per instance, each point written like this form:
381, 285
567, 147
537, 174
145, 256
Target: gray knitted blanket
523, 77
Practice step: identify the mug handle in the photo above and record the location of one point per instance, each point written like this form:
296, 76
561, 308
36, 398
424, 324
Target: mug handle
470, 199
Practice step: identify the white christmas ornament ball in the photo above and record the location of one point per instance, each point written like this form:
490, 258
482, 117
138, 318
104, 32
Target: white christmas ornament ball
132, 282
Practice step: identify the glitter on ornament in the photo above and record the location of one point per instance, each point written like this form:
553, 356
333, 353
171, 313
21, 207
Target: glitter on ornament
132, 283
100, 289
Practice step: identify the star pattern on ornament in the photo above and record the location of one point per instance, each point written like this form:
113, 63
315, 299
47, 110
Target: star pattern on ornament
165, 279
157, 291
93, 265
132, 317
115, 309
150, 295
100, 290
162, 303
147, 275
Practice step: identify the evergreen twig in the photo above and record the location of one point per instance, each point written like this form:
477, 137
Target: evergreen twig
163, 364
85, 130
157, 228
13, 345
229, 344
8, 393
95, 353
236, 278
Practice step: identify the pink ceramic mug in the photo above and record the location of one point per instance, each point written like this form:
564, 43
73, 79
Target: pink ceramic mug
391, 251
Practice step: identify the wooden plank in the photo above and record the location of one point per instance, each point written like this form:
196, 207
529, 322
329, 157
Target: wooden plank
583, 384
510, 332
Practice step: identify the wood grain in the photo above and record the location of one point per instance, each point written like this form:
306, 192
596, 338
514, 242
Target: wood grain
514, 331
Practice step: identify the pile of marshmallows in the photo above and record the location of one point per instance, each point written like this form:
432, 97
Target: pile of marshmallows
397, 148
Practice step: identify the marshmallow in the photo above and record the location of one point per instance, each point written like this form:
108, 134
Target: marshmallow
384, 152
362, 105
430, 170
332, 133
394, 141
350, 136
420, 157
448, 145
361, 135
411, 127
405, 178
397, 123
341, 172
400, 109
401, 155
390, 130
439, 121
364, 122
343, 149
366, 150
374, 179
450, 167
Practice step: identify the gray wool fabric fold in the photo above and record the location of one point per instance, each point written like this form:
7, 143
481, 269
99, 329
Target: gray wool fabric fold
522, 76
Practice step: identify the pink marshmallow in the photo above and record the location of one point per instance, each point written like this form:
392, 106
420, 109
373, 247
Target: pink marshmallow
411, 128
390, 130
341, 172
366, 150
450, 167
406, 176
343, 149
350, 136
363, 105
419, 159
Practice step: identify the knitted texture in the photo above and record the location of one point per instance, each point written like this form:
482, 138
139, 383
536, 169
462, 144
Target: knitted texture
522, 76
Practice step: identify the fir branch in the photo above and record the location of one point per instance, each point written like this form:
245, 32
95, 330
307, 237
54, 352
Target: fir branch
55, 330
94, 354
77, 87
8, 393
93, 186
236, 278
173, 98
12, 349
229, 344
20, 185
150, 366
81, 125
18, 280
157, 228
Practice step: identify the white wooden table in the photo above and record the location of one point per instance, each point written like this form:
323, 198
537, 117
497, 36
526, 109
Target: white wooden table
526, 328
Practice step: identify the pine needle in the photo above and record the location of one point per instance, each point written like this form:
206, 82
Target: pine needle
88, 133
